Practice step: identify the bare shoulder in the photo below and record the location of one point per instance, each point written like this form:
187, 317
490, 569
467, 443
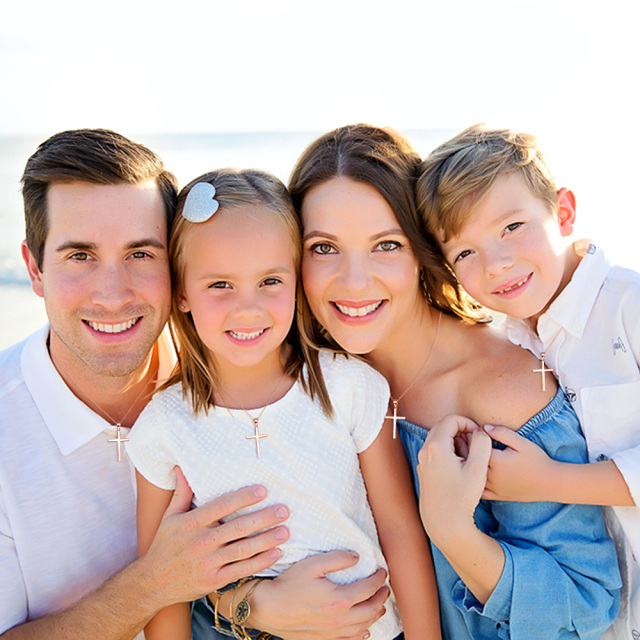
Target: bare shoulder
498, 382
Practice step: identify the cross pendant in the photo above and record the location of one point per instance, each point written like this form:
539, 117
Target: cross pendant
257, 436
395, 417
542, 370
119, 440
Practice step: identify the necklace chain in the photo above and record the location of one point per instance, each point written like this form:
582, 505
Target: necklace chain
256, 427
118, 423
395, 417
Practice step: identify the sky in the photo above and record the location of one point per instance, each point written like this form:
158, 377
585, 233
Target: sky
565, 70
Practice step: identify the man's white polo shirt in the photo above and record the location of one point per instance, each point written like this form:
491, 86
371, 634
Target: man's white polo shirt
67, 506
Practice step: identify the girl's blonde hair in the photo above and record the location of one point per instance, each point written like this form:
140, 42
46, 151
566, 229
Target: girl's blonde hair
383, 159
195, 368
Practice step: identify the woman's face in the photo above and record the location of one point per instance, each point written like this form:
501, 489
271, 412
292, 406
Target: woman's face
359, 273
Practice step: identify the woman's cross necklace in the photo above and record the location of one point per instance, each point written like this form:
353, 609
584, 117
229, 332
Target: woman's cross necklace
395, 417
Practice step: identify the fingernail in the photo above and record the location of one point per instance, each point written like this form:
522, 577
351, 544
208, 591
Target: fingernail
281, 533
274, 553
488, 428
366, 635
354, 555
281, 512
260, 492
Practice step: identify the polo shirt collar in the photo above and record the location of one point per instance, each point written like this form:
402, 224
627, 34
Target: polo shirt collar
71, 423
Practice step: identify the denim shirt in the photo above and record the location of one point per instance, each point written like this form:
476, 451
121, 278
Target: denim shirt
560, 578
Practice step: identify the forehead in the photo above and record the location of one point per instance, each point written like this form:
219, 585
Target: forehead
240, 236
345, 203
94, 213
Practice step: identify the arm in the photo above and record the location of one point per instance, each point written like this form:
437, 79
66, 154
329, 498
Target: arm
563, 547
191, 555
450, 489
173, 622
402, 537
525, 473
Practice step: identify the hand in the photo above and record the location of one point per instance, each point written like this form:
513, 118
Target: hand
520, 472
450, 485
194, 554
302, 603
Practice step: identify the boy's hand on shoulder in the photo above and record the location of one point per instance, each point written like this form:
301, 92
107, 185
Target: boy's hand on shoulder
519, 473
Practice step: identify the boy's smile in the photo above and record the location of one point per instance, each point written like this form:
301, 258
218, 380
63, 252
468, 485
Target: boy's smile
512, 255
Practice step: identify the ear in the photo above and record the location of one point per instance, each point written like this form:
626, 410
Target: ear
35, 275
183, 305
566, 211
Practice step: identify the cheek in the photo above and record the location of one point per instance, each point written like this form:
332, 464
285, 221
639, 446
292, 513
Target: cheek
314, 283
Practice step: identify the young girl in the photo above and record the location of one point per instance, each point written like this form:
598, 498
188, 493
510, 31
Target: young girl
248, 403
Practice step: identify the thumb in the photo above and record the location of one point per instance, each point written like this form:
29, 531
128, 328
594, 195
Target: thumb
323, 563
504, 435
182, 495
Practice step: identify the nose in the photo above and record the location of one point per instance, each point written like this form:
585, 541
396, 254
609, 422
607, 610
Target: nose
355, 273
112, 287
248, 305
496, 260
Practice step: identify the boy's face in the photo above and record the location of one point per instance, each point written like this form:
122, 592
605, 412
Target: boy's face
512, 254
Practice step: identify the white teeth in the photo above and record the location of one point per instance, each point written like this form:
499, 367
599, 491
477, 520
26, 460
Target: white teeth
247, 336
515, 286
358, 312
112, 328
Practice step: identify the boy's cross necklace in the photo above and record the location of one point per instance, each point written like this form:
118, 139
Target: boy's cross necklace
542, 370
395, 417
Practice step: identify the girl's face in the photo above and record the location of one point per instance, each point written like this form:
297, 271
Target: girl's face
239, 283
359, 273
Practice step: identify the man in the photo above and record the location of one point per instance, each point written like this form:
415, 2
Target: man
97, 210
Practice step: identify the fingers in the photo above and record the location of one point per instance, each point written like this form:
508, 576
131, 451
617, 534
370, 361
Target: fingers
319, 565
182, 496
504, 435
479, 451
227, 504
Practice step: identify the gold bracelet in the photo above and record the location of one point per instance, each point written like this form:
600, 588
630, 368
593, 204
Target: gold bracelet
242, 613
216, 616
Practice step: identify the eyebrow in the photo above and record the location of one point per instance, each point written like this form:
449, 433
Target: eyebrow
396, 231
92, 246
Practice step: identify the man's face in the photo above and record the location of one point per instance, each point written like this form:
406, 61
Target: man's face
105, 276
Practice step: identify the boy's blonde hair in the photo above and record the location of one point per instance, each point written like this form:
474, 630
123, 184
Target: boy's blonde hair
459, 173
195, 368
385, 160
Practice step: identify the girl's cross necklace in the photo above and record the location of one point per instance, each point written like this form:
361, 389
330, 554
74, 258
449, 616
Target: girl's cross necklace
395, 417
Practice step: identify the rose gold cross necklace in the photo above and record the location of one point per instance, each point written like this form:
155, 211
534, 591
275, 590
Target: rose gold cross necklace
256, 426
395, 417
118, 423
542, 370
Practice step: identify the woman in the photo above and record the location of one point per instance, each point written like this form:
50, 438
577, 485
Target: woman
376, 287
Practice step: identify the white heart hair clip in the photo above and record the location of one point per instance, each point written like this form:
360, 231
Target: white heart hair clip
200, 204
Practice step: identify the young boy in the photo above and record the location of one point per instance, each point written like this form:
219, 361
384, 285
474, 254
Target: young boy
488, 198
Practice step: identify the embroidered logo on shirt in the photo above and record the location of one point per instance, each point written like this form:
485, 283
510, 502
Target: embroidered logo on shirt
570, 394
618, 344
602, 458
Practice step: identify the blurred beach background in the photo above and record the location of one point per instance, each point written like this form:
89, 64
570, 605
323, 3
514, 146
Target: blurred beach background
250, 83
